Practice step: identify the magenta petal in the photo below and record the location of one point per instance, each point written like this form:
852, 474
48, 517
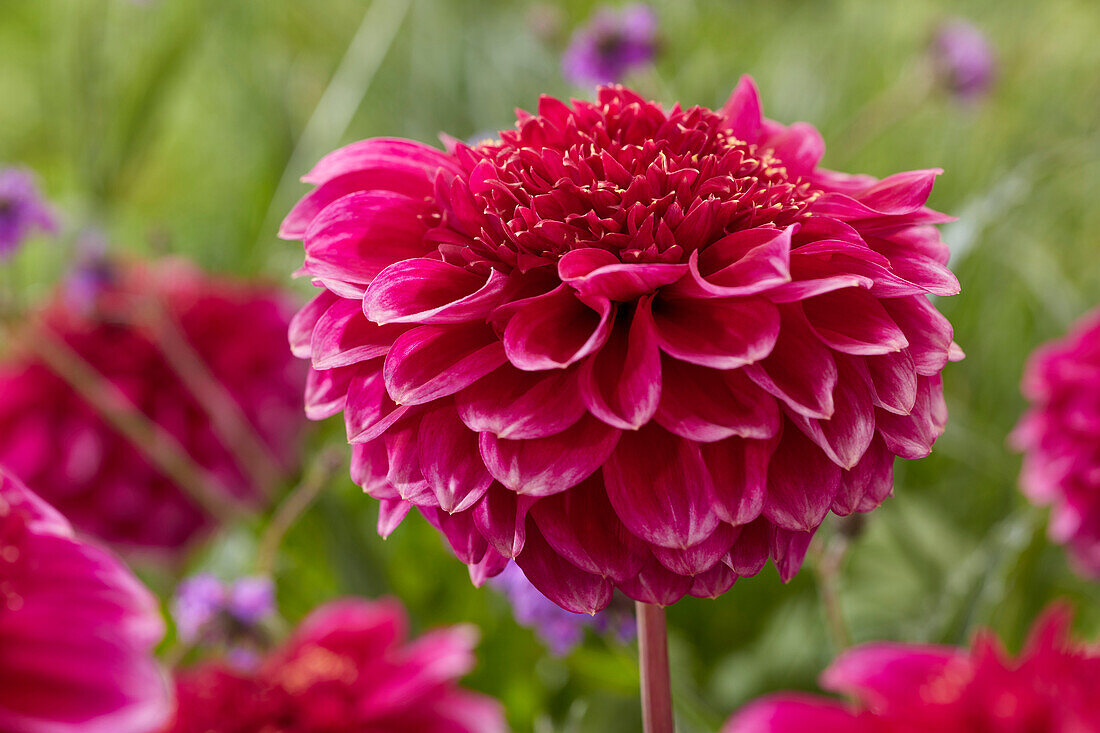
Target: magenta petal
853, 321
515, 405
621, 383
720, 333
357, 236
370, 466
750, 552
655, 584
430, 362
707, 405
661, 488
403, 456
450, 461
884, 675
788, 550
327, 391
501, 517
739, 470
713, 582
799, 147
811, 287
592, 274
894, 378
802, 482
800, 371
743, 113
461, 533
369, 411
490, 565
382, 154
391, 512
422, 290
911, 436
798, 714
864, 487
300, 333
344, 336
900, 193
560, 581
545, 466
701, 557
928, 332
740, 264
555, 330
582, 525
845, 436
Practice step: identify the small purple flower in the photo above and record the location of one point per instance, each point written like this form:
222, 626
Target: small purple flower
613, 43
92, 271
198, 602
964, 59
22, 209
211, 611
250, 600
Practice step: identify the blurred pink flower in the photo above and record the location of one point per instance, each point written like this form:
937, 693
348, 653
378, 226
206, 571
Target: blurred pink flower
77, 629
612, 43
629, 348
22, 209
52, 438
348, 668
1060, 438
1054, 687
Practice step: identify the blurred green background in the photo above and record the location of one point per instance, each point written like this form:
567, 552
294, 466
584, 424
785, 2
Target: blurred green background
182, 126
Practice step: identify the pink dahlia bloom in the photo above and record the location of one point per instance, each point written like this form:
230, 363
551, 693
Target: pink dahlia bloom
348, 668
1054, 687
77, 629
1060, 437
630, 348
53, 439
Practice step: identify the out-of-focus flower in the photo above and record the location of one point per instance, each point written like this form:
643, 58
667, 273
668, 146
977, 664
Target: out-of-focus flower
559, 629
1054, 687
1060, 437
612, 44
226, 617
233, 333
347, 668
77, 629
92, 271
963, 59
630, 348
22, 209
198, 602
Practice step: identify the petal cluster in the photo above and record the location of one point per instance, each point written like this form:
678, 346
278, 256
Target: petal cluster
77, 629
628, 347
1054, 686
1060, 438
347, 668
54, 439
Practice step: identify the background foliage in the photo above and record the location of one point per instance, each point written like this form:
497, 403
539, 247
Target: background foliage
181, 126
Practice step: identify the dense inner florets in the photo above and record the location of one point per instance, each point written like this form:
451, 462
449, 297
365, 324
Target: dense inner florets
619, 175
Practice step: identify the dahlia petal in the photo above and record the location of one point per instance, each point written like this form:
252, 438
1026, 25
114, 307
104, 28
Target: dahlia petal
701, 557
788, 550
900, 193
889, 677
866, 485
738, 470
797, 713
300, 333
370, 465
720, 333
800, 289
450, 461
404, 474
853, 321
490, 565
593, 275
713, 582
845, 436
582, 526
515, 405
740, 264
369, 411
621, 383
501, 517
391, 512
423, 290
800, 147
343, 336
357, 236
911, 436
800, 371
545, 466
383, 154
430, 362
554, 330
461, 533
926, 271
661, 488
707, 405
743, 113
750, 552
657, 585
327, 391
929, 333
559, 580
802, 482
894, 378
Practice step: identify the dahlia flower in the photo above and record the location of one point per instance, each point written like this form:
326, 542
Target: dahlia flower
51, 437
1060, 438
347, 668
963, 59
630, 348
77, 629
1054, 687
612, 44
22, 209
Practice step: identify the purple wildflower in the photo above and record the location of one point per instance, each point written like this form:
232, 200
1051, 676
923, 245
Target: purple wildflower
250, 600
22, 209
211, 611
198, 602
92, 271
613, 43
964, 59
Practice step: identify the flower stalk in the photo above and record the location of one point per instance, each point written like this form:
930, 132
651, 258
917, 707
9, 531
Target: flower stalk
653, 666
